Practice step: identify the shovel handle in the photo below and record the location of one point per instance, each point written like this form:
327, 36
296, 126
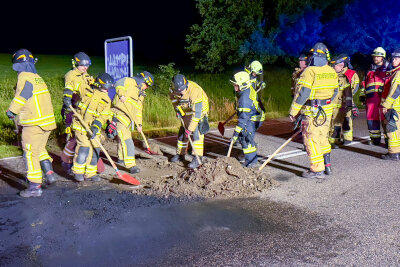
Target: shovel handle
191, 143
96, 139
278, 150
230, 149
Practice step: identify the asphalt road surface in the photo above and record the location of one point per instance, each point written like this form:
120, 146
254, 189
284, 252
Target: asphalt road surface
351, 218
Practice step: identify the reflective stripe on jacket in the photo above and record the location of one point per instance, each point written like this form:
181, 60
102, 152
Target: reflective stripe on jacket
32, 102
132, 108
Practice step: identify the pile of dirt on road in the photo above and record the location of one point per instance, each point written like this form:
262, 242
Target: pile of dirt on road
220, 178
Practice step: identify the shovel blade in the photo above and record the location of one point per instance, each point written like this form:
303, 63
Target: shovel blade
148, 151
221, 128
127, 178
100, 166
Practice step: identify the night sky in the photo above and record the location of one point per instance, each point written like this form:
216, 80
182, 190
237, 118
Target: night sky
158, 28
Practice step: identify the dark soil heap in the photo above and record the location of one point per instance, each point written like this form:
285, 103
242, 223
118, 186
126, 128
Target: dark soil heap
222, 178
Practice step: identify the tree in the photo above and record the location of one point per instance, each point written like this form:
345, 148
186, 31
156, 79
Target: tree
226, 24
296, 34
365, 25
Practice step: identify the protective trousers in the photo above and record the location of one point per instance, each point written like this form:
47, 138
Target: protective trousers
315, 138
375, 116
394, 140
347, 126
182, 144
87, 154
338, 115
126, 147
34, 140
246, 139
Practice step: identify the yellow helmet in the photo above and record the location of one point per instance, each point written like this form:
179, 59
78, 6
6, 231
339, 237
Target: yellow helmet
242, 79
256, 67
379, 52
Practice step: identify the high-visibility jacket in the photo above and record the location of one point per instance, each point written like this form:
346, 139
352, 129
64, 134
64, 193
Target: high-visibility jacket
94, 105
392, 101
295, 78
76, 82
32, 102
132, 108
348, 86
197, 102
316, 83
375, 80
249, 109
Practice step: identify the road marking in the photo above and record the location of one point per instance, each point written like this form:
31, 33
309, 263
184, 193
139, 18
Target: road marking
298, 152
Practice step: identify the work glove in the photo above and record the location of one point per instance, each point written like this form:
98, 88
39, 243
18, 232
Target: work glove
95, 128
11, 115
234, 139
111, 129
354, 111
67, 101
187, 133
298, 121
261, 86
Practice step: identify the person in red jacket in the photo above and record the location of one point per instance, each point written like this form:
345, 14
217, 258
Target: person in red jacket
371, 94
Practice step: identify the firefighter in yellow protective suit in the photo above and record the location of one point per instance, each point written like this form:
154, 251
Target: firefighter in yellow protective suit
343, 105
77, 81
192, 106
391, 109
32, 103
318, 87
297, 73
95, 109
127, 112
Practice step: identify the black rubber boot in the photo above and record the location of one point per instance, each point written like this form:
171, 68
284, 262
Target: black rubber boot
391, 156
79, 177
67, 167
375, 141
95, 178
34, 190
47, 169
347, 142
134, 169
177, 158
386, 142
194, 164
312, 175
334, 146
327, 161
251, 164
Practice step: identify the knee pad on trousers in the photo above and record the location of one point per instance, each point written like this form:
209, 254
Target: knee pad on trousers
181, 134
373, 124
83, 153
196, 134
346, 124
130, 148
95, 156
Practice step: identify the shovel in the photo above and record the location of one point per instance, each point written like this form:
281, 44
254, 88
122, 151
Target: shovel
191, 143
147, 150
279, 149
125, 177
